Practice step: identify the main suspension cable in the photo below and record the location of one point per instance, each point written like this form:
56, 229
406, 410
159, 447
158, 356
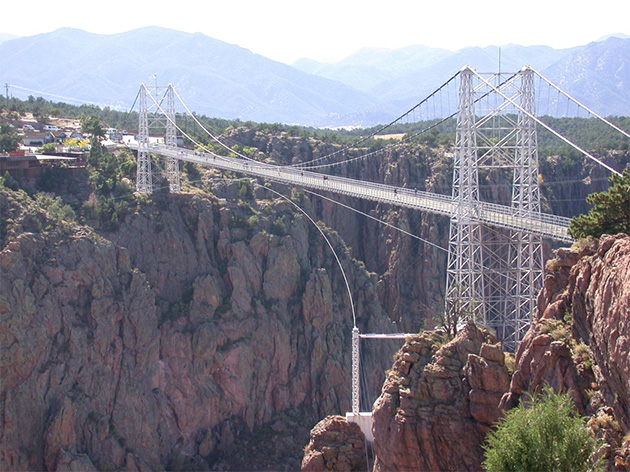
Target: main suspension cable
381, 129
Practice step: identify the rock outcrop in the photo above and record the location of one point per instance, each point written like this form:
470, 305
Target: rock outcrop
438, 402
580, 343
437, 405
80, 350
191, 333
335, 445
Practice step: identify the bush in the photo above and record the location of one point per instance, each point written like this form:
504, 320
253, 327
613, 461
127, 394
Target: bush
544, 435
279, 227
110, 212
47, 148
245, 189
55, 208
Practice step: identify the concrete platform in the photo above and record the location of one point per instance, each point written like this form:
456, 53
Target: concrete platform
364, 420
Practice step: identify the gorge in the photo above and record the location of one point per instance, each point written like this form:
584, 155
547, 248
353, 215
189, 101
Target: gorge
211, 330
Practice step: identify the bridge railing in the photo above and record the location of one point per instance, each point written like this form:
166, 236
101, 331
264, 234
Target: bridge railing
494, 214
368, 190
539, 223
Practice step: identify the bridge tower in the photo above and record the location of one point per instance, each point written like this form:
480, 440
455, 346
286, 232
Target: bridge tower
494, 275
170, 139
161, 119
144, 173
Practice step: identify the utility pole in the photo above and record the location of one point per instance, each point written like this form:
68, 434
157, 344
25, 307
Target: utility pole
6, 87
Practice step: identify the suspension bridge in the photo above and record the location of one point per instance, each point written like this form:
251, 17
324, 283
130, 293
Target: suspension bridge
545, 225
495, 263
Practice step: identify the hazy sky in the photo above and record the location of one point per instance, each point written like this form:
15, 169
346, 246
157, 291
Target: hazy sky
329, 30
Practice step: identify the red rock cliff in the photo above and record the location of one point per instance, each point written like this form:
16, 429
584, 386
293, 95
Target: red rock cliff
438, 403
580, 344
179, 341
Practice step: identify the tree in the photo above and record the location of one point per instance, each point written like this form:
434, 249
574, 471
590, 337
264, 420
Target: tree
9, 139
459, 309
40, 114
92, 125
48, 148
544, 435
610, 213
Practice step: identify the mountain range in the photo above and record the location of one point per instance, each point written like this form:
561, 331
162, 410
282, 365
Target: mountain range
224, 80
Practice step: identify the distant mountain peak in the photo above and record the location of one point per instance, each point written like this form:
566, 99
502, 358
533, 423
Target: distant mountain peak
7, 37
615, 35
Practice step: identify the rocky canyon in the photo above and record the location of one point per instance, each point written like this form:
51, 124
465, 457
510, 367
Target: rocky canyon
440, 399
211, 330
178, 341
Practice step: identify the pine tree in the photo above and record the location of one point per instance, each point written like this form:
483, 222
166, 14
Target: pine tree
610, 213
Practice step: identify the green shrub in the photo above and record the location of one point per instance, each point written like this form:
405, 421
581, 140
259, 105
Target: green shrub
543, 435
558, 330
252, 221
279, 227
245, 189
47, 148
55, 208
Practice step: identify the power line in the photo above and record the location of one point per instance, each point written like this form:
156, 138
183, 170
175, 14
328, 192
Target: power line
55, 96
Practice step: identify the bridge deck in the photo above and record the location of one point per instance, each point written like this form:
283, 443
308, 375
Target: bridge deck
543, 224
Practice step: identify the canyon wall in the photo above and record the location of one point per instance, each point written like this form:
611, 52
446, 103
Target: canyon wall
440, 399
187, 335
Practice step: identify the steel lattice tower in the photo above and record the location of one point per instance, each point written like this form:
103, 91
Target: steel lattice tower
465, 281
526, 257
494, 275
172, 164
144, 175
164, 120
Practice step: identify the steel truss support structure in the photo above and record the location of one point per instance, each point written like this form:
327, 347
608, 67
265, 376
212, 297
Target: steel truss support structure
494, 275
355, 370
465, 291
144, 173
172, 164
160, 120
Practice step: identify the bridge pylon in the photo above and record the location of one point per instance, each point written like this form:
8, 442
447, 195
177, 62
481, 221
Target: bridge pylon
147, 172
170, 139
144, 172
494, 275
